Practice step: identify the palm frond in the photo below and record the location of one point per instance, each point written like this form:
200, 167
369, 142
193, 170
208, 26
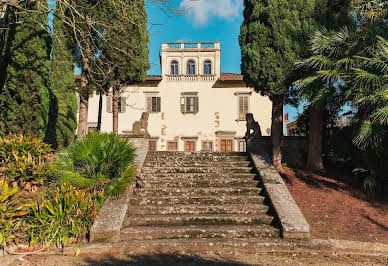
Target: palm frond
369, 135
380, 116
363, 78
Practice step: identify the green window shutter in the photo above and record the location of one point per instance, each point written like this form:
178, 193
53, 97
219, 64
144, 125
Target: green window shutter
123, 104
241, 108
183, 100
109, 104
158, 103
246, 98
196, 105
149, 104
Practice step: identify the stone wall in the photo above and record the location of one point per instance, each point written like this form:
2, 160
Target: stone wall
294, 149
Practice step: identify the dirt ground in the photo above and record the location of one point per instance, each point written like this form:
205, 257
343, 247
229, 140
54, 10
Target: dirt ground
335, 206
207, 258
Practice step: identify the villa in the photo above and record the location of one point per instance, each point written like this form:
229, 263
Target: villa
192, 105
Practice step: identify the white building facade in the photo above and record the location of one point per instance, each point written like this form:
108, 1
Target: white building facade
192, 106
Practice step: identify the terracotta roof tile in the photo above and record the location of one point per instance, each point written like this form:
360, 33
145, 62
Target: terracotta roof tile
154, 77
231, 76
150, 77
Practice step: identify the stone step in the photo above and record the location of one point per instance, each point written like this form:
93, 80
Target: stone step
182, 182
199, 158
195, 219
211, 200
193, 163
196, 209
193, 154
198, 231
199, 191
155, 170
166, 177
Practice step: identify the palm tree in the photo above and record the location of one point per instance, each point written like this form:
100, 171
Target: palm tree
370, 95
324, 75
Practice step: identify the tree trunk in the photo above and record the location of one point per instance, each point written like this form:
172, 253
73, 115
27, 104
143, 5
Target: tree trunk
99, 118
83, 116
84, 101
277, 131
115, 109
314, 158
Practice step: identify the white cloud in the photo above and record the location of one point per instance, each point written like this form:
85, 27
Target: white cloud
201, 11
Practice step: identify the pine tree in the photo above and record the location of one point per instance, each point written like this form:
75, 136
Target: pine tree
63, 104
272, 35
24, 96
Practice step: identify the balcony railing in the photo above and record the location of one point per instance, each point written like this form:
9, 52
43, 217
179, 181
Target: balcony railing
191, 46
174, 45
191, 78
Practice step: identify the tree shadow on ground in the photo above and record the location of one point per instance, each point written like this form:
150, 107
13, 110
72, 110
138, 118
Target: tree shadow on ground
316, 181
159, 259
383, 226
336, 180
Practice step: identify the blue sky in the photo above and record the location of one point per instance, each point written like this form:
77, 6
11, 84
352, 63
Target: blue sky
205, 20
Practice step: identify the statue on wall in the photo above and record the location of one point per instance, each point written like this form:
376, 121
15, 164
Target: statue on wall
141, 127
252, 125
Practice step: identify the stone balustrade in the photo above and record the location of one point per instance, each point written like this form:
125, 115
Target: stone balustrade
191, 78
191, 46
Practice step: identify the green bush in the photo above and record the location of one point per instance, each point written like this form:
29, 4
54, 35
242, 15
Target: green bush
97, 161
13, 214
25, 160
63, 215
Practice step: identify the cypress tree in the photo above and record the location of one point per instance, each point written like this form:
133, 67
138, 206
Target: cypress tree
273, 34
128, 53
63, 105
24, 96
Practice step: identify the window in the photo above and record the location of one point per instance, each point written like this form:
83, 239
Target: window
189, 104
226, 145
207, 145
242, 147
243, 106
92, 126
122, 105
152, 145
172, 145
190, 67
153, 104
189, 145
207, 67
174, 68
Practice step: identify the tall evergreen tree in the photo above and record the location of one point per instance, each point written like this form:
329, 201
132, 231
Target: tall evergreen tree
127, 53
63, 105
24, 96
273, 34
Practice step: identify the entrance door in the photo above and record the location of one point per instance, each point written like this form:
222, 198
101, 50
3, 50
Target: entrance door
226, 145
190, 145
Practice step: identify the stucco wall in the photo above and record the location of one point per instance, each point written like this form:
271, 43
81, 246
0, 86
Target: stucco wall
218, 111
218, 102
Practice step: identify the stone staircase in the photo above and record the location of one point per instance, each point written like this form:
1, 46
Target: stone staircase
199, 195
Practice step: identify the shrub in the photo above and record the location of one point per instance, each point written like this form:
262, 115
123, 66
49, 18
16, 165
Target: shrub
63, 215
13, 214
97, 161
25, 160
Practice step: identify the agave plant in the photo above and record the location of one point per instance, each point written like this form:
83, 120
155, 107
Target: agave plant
63, 215
12, 213
97, 161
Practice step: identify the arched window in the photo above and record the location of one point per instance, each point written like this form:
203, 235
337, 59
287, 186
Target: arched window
207, 67
174, 68
190, 67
